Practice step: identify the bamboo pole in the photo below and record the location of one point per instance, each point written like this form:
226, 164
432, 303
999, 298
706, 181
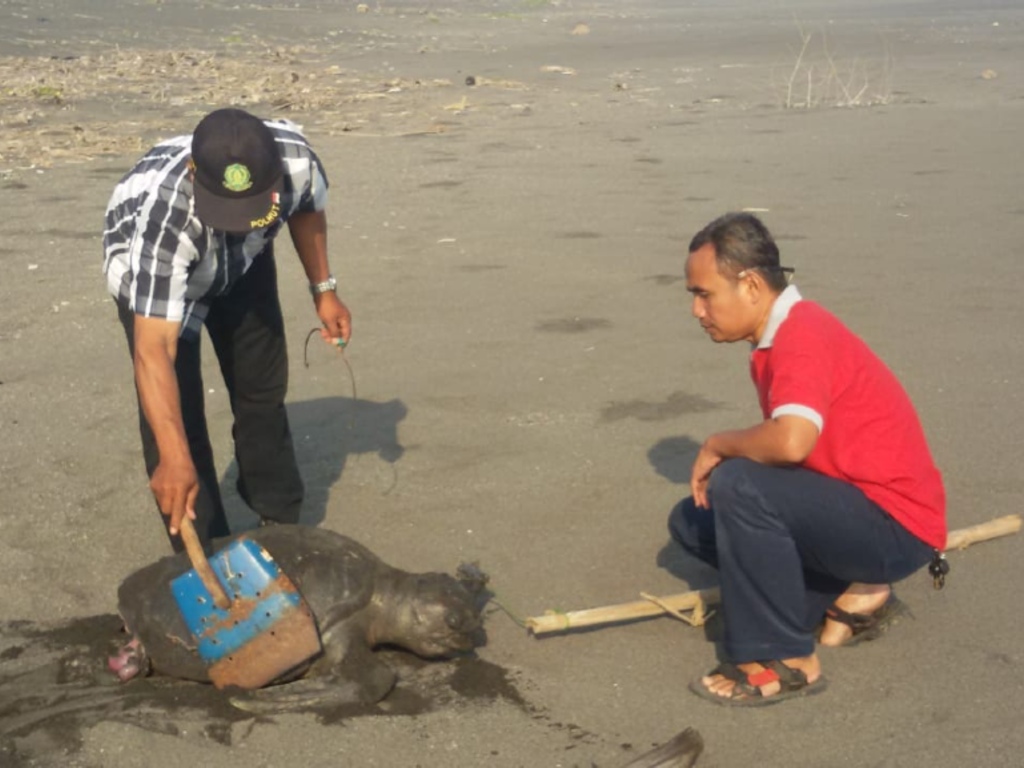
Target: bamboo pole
964, 537
698, 600
609, 614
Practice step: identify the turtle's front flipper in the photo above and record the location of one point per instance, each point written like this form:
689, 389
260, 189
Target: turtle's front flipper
366, 681
300, 696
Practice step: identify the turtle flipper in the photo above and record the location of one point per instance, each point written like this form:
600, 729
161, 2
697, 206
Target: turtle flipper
347, 673
300, 696
317, 693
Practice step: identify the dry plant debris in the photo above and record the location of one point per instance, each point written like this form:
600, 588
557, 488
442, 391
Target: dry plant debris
78, 108
819, 79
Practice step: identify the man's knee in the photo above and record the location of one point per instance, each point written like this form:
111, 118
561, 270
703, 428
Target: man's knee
727, 480
264, 397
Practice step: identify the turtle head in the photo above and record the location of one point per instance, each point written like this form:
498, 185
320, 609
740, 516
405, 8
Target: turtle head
440, 618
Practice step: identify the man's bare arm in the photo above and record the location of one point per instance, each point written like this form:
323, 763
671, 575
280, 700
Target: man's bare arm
779, 441
175, 484
309, 234
782, 440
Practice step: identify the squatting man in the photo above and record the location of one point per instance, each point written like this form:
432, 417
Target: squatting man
811, 514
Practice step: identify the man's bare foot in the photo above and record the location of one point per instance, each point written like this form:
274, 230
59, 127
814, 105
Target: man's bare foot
859, 599
725, 687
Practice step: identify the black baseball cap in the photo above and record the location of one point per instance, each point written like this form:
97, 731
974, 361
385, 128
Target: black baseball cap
238, 172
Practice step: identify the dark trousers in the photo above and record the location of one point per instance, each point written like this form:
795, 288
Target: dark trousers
787, 542
247, 332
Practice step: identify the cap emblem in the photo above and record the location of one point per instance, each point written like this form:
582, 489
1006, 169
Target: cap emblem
237, 178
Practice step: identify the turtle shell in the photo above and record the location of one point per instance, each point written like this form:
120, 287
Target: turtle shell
336, 575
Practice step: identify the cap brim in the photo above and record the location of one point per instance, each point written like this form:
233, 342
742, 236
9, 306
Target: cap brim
240, 214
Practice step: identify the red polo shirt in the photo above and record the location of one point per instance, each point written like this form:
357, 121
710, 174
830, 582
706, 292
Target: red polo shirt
809, 364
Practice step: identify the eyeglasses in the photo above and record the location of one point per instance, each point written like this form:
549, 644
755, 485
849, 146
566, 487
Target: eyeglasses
787, 271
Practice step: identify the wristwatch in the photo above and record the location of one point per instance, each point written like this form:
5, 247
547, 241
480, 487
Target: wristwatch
329, 284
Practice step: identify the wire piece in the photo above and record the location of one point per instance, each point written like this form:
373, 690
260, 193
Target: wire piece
344, 359
493, 600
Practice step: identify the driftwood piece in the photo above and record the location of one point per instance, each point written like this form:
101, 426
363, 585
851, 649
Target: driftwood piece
698, 601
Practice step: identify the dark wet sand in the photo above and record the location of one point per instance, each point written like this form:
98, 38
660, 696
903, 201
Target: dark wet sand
531, 389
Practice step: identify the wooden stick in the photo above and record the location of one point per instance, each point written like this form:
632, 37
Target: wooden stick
1001, 526
609, 614
195, 553
698, 600
697, 617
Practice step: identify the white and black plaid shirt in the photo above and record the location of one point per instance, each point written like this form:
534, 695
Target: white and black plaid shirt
164, 262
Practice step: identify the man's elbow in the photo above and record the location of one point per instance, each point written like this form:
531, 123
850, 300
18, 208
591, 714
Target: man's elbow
796, 452
798, 439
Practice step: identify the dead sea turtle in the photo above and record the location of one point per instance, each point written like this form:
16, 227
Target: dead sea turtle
358, 601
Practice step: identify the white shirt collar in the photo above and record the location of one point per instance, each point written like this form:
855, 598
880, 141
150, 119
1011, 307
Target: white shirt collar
778, 314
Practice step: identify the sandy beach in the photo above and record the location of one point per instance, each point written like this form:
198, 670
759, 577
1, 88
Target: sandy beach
513, 187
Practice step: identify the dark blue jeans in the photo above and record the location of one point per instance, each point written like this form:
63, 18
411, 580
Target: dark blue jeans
247, 332
787, 542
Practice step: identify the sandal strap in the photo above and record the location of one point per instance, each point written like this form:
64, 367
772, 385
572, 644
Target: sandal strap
764, 677
729, 671
790, 678
749, 684
858, 622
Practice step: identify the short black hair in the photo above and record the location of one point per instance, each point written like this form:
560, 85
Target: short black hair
742, 242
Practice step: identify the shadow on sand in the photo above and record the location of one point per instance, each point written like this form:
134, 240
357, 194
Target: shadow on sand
328, 432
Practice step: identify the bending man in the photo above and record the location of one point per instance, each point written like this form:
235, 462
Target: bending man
188, 242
